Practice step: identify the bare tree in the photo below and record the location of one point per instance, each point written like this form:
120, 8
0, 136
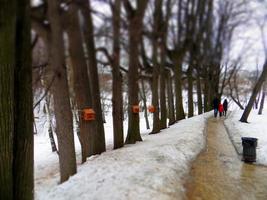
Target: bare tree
117, 100
254, 94
259, 82
135, 19
82, 90
163, 31
171, 109
156, 67
60, 92
86, 10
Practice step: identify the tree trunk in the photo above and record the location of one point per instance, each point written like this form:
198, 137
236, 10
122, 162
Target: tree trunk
262, 99
199, 94
6, 124
190, 92
237, 102
135, 31
81, 83
100, 145
255, 91
206, 95
51, 138
7, 58
163, 109
256, 103
60, 91
156, 69
133, 134
170, 98
155, 95
117, 100
23, 182
50, 129
178, 90
143, 94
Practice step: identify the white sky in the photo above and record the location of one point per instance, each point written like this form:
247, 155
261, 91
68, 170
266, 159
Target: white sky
247, 38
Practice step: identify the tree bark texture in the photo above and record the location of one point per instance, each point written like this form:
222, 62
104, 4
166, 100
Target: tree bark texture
156, 68
170, 98
163, 108
7, 58
206, 95
179, 109
60, 91
117, 100
23, 128
135, 31
190, 91
155, 95
81, 87
199, 94
6, 129
16, 124
163, 27
207, 91
133, 134
100, 145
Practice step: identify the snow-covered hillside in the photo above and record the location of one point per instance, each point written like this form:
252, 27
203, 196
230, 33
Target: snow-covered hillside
152, 168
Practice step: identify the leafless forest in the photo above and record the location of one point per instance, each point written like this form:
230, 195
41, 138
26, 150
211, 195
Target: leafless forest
86, 58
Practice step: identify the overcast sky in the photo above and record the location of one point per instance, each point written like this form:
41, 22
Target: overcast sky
247, 38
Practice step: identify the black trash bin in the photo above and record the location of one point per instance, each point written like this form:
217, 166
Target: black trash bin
249, 149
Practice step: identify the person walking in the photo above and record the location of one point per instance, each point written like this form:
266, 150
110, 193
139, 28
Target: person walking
216, 103
220, 109
225, 107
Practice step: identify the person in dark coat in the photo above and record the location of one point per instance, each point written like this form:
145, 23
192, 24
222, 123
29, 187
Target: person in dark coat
225, 107
216, 103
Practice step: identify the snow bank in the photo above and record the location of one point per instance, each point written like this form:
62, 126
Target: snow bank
257, 127
152, 169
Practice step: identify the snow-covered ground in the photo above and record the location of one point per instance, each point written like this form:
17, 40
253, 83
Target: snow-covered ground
150, 169
257, 128
46, 164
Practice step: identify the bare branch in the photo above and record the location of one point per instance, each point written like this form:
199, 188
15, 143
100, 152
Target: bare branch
46, 92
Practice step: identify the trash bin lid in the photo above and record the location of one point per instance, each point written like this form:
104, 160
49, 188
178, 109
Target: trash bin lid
249, 139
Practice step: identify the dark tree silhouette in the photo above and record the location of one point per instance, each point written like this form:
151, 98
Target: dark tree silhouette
256, 89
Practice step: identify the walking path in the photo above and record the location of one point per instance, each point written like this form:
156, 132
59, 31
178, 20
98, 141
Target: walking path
218, 173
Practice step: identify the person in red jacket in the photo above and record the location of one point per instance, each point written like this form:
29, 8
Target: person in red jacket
220, 109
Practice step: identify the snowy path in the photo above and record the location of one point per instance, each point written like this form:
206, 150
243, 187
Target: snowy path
218, 173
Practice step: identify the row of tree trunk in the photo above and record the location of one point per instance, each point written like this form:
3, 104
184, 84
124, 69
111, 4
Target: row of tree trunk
85, 79
191, 64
